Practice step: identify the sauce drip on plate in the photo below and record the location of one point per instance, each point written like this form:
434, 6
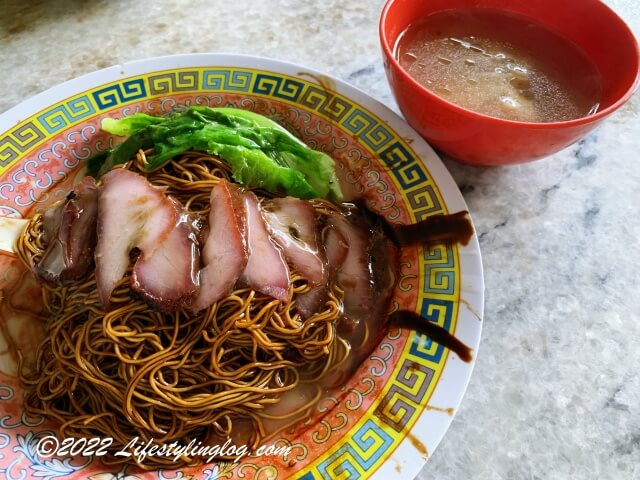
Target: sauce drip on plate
500, 64
454, 228
413, 321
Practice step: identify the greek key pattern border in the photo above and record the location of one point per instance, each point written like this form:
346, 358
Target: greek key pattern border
408, 172
417, 372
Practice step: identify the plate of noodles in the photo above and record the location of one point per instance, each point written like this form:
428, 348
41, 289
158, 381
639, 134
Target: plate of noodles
223, 266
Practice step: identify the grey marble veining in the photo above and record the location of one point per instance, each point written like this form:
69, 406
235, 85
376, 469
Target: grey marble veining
556, 390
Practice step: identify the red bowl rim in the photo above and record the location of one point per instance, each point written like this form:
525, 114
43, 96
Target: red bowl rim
388, 52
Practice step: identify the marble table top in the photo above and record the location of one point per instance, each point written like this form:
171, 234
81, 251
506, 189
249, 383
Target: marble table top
556, 390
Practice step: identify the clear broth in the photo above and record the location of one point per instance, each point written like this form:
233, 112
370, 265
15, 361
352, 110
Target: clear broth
500, 64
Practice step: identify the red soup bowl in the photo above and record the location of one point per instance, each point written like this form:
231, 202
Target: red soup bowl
479, 139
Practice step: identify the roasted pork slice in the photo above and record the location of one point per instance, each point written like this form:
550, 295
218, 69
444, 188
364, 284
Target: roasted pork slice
70, 230
353, 275
368, 278
294, 227
132, 213
225, 251
367, 272
336, 247
167, 279
266, 270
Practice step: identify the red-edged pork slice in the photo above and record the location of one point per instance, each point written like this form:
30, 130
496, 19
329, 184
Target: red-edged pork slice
168, 278
367, 274
225, 251
368, 277
70, 230
353, 274
266, 270
294, 227
336, 248
131, 213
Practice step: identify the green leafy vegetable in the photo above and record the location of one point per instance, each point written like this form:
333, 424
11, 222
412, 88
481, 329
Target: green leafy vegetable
261, 153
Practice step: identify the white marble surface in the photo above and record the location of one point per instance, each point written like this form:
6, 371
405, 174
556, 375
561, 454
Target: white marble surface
556, 390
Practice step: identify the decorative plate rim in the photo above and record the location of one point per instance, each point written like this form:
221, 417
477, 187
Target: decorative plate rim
432, 424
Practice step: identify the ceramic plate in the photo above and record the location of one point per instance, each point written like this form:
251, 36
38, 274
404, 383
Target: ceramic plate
388, 419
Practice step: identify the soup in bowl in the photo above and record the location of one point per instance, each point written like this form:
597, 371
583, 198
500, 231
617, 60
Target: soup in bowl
495, 83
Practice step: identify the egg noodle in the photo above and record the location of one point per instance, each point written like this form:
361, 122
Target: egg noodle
134, 372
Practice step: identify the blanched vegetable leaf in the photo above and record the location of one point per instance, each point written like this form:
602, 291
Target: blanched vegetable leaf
261, 153
129, 125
